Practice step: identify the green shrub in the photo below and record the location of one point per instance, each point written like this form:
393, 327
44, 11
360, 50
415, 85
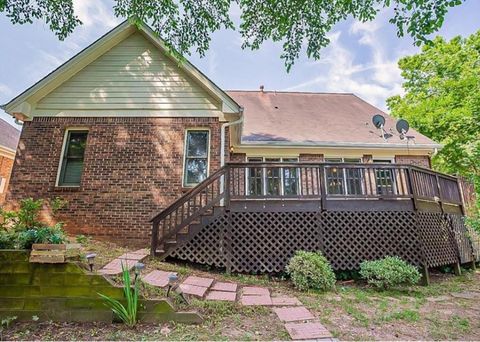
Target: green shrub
311, 270
20, 229
389, 272
7, 239
54, 235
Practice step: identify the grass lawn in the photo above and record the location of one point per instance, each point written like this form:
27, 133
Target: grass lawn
352, 312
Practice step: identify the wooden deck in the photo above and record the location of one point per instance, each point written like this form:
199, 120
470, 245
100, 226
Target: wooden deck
252, 217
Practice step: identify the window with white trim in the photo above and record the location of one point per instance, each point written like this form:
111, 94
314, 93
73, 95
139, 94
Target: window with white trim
273, 181
3, 182
71, 166
196, 156
341, 181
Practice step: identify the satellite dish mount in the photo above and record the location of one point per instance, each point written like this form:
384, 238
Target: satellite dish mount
379, 122
402, 128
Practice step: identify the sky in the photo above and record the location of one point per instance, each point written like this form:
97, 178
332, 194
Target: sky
361, 58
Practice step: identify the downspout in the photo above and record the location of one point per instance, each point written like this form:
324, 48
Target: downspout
222, 147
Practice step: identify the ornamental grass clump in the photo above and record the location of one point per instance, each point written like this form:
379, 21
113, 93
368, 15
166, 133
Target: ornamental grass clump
128, 313
311, 270
389, 272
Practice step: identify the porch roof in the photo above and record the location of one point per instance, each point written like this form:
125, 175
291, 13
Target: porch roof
317, 119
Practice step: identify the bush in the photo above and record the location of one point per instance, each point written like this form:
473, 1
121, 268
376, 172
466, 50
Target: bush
7, 240
311, 270
20, 229
389, 272
54, 235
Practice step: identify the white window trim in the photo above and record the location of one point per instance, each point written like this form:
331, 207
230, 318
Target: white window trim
3, 182
185, 185
264, 176
62, 155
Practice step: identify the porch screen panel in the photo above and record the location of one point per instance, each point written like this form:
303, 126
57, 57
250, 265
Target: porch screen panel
255, 178
273, 178
73, 158
353, 178
334, 178
196, 157
384, 179
291, 181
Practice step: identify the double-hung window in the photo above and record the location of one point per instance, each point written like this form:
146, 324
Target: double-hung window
341, 180
273, 181
71, 167
196, 156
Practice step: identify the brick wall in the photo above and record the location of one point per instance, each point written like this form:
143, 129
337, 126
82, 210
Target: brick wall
304, 157
422, 161
5, 171
133, 168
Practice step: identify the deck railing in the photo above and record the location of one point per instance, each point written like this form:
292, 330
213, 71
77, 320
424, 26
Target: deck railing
304, 181
317, 182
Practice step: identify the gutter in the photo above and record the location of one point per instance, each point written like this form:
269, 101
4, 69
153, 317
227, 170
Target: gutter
222, 136
353, 145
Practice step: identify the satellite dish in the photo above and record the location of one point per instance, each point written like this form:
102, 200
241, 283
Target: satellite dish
378, 121
402, 126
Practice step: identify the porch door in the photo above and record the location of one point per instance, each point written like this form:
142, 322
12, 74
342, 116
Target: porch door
384, 179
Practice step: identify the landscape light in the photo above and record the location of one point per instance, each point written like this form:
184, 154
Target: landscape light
91, 259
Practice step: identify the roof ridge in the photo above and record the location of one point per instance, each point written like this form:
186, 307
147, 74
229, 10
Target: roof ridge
288, 92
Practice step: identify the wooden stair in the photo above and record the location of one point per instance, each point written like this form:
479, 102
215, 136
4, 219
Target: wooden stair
186, 217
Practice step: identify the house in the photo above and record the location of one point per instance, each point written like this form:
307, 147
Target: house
126, 131
9, 136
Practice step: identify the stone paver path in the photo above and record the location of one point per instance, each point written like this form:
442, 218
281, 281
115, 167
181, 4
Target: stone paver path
157, 278
222, 295
300, 323
128, 260
307, 331
289, 314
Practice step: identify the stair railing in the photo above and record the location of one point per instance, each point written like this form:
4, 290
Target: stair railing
187, 208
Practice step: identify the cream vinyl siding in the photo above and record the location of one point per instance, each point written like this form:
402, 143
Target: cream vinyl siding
133, 77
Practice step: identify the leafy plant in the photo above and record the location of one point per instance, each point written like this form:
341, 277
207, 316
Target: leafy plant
82, 239
5, 323
7, 239
311, 270
127, 314
299, 25
54, 235
389, 272
442, 101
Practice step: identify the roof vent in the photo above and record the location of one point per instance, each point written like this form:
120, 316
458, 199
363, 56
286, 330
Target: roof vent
262, 87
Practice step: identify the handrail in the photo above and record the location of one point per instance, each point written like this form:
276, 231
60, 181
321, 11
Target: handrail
313, 181
189, 194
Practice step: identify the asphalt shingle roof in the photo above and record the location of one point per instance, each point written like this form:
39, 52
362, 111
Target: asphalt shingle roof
9, 135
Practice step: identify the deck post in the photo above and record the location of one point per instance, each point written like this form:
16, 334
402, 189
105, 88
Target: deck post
457, 269
323, 188
153, 248
425, 281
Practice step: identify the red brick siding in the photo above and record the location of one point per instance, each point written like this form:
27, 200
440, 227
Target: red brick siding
423, 161
304, 157
5, 171
133, 169
238, 157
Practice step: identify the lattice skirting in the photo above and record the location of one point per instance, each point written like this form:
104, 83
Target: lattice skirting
263, 242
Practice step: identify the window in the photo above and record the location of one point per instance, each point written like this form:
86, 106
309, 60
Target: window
342, 181
3, 181
196, 157
384, 178
73, 158
273, 181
